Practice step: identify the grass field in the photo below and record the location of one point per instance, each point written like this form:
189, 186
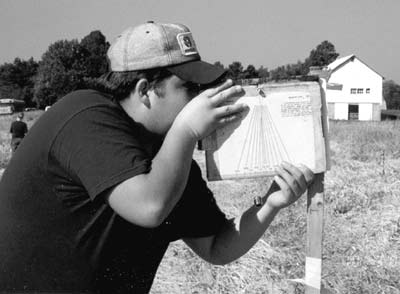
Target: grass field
361, 233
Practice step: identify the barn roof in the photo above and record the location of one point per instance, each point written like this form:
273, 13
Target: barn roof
341, 61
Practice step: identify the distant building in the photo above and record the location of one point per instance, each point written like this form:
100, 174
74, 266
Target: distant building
8, 106
353, 91
390, 114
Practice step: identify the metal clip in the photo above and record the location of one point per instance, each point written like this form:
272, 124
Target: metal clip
261, 92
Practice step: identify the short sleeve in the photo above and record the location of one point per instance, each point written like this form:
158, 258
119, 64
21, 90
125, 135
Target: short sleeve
99, 148
197, 213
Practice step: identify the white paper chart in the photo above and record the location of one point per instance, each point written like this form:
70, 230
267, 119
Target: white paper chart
283, 124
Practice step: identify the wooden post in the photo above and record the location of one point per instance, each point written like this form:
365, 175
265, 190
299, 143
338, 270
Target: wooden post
315, 216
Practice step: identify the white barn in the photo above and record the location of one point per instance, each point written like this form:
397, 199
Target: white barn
354, 90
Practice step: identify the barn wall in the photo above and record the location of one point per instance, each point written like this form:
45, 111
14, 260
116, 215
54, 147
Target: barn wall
341, 110
376, 111
365, 111
331, 110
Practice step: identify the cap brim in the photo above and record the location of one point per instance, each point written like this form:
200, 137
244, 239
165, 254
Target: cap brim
197, 71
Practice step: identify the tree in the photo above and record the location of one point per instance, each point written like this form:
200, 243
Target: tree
8, 89
250, 72
67, 66
219, 64
322, 55
296, 69
279, 73
94, 47
263, 72
235, 70
391, 94
60, 71
17, 80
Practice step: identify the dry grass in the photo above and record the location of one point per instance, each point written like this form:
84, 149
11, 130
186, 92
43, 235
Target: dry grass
361, 234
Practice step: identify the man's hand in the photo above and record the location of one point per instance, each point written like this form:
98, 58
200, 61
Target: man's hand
289, 184
207, 112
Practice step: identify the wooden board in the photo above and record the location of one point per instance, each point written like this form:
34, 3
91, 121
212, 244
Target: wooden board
315, 224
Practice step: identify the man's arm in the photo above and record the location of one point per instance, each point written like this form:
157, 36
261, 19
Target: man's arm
147, 199
238, 235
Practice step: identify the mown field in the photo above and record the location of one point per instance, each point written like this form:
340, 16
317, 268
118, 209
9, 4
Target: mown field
361, 224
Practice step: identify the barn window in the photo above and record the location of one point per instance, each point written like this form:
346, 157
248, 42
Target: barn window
353, 111
360, 90
367, 91
353, 91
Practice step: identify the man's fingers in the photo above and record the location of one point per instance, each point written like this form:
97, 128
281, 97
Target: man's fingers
222, 92
231, 109
284, 187
225, 96
289, 179
308, 174
229, 119
297, 174
215, 90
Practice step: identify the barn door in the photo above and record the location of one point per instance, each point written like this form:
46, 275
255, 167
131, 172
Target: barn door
353, 112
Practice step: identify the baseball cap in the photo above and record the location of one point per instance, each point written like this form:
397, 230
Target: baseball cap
155, 45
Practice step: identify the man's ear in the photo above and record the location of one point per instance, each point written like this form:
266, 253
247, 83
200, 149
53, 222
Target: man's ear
142, 88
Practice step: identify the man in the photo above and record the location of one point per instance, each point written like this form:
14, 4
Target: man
106, 178
18, 130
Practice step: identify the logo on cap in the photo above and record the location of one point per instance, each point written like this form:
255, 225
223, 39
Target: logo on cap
186, 43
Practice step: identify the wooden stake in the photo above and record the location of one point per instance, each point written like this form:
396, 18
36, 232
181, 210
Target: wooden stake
315, 216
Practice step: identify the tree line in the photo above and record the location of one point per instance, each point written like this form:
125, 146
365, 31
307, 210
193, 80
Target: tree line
322, 55
69, 65
64, 67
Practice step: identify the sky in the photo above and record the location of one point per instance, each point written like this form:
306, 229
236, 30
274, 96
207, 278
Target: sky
260, 32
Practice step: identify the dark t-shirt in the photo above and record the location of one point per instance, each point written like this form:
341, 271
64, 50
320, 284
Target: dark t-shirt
18, 129
57, 231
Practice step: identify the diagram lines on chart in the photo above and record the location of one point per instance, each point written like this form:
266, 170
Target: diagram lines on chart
263, 147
